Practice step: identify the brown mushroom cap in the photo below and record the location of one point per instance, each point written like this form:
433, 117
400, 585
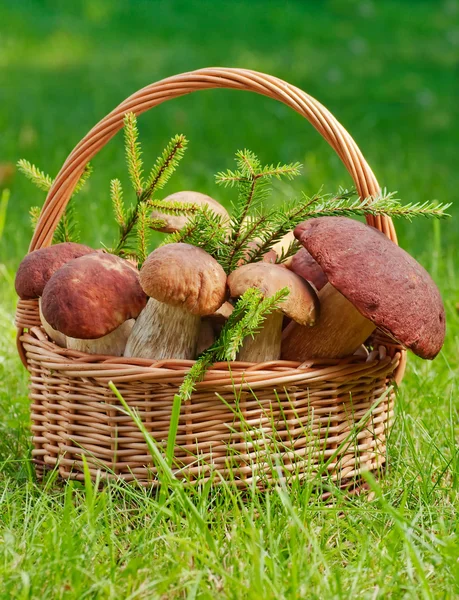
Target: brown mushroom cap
301, 304
386, 285
306, 267
184, 276
37, 267
177, 222
91, 296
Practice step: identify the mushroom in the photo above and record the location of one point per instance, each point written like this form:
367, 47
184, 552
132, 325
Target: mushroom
301, 305
372, 283
92, 300
306, 267
184, 283
211, 327
176, 222
35, 271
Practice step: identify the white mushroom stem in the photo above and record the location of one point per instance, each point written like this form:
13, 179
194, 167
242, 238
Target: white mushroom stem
265, 345
53, 334
163, 331
340, 331
113, 343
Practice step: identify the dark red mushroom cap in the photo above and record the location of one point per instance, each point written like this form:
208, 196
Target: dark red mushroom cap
185, 276
37, 267
306, 267
91, 296
387, 285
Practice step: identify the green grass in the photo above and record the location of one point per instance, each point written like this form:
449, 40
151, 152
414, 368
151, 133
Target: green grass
388, 72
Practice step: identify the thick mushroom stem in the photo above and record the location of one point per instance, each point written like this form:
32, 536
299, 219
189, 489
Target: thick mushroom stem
340, 330
53, 334
113, 343
266, 345
163, 331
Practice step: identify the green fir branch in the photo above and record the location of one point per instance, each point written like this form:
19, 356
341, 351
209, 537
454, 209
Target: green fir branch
116, 195
34, 213
174, 208
254, 187
133, 152
156, 224
247, 319
142, 233
40, 179
293, 248
67, 229
206, 229
87, 172
165, 166
385, 204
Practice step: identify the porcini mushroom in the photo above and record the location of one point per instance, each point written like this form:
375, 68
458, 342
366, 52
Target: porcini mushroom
372, 283
92, 300
176, 222
184, 283
301, 305
35, 271
306, 267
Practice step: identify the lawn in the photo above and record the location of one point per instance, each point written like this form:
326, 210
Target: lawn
388, 71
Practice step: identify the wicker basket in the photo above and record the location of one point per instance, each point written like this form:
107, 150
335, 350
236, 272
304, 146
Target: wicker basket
245, 422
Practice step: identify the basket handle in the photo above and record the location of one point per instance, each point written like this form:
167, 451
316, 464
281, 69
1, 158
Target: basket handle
180, 85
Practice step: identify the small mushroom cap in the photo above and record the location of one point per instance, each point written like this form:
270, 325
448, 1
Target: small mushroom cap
184, 276
91, 296
306, 267
37, 267
301, 304
177, 222
387, 285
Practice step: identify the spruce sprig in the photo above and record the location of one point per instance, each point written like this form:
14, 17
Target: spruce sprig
116, 195
165, 166
40, 179
67, 229
247, 318
133, 239
254, 187
133, 153
34, 213
205, 229
143, 233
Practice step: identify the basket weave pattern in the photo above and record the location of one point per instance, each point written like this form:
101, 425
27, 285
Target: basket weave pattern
243, 418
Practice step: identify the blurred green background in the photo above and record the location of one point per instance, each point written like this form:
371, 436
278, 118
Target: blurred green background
389, 71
